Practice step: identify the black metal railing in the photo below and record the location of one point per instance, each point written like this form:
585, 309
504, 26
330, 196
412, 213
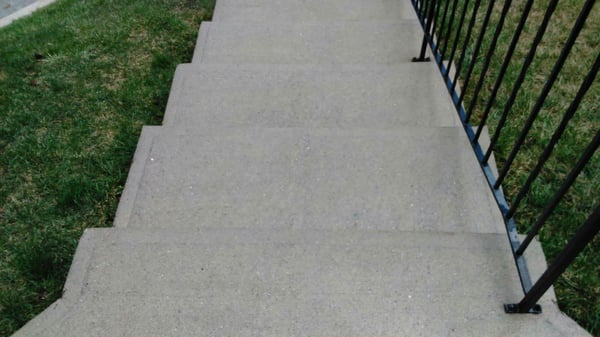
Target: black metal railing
448, 22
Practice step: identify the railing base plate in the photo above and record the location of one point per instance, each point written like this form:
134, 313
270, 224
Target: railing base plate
421, 59
514, 309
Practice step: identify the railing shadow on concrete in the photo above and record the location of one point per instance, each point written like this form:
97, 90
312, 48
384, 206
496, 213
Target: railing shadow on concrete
445, 24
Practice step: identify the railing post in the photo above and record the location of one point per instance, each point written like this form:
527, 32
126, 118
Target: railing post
584, 235
426, 37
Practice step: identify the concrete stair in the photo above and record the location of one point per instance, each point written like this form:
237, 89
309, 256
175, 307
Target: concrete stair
232, 282
308, 96
308, 180
300, 43
313, 178
311, 11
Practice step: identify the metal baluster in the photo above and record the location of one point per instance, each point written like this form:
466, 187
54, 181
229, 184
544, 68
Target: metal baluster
513, 95
442, 22
504, 68
546, 90
424, 10
584, 235
457, 38
417, 5
467, 79
465, 44
450, 21
587, 83
426, 36
488, 59
585, 157
435, 22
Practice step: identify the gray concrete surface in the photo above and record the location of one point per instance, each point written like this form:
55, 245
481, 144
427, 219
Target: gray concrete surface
314, 178
302, 186
135, 175
296, 43
409, 94
225, 282
11, 10
8, 7
312, 11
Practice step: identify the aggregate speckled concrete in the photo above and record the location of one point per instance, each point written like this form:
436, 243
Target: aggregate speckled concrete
312, 11
314, 178
232, 282
8, 7
313, 43
11, 10
308, 181
308, 96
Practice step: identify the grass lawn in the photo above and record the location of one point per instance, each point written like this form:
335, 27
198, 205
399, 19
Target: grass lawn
77, 82
578, 290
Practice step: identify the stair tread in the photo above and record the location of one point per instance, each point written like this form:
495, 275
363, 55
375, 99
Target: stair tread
319, 96
314, 43
312, 10
406, 178
262, 282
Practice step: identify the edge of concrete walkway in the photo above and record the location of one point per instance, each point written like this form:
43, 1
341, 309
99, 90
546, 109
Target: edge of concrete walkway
23, 12
134, 178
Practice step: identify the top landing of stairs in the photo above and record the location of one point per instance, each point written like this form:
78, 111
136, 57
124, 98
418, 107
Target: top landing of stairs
383, 43
312, 11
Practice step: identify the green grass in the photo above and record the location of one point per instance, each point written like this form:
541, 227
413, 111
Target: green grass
77, 82
578, 290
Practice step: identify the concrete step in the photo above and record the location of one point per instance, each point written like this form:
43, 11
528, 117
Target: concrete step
402, 179
318, 96
312, 11
296, 43
231, 282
